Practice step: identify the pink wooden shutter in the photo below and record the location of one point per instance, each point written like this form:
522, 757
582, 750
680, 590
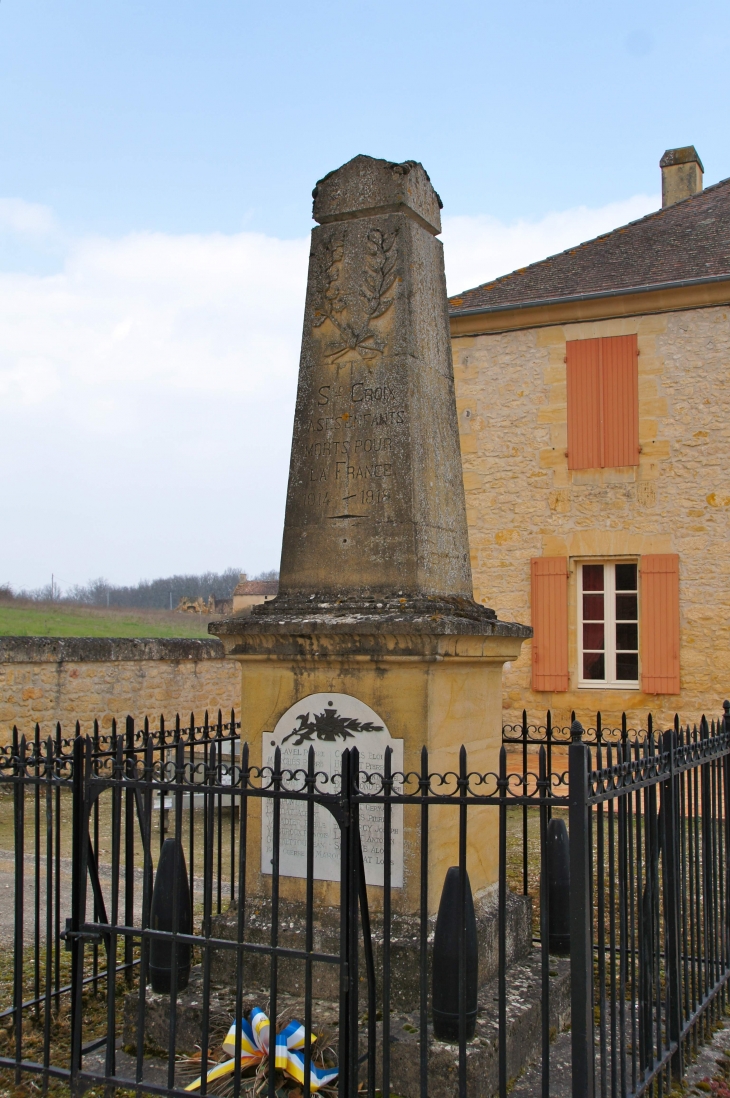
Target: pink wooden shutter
582, 358
660, 623
620, 401
550, 623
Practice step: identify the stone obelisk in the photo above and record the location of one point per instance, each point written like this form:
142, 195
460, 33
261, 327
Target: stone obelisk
375, 599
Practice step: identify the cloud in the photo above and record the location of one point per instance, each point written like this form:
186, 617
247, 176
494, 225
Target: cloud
478, 249
147, 389
29, 380
26, 218
196, 313
146, 400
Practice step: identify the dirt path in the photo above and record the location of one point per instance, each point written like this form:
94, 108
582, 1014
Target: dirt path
7, 896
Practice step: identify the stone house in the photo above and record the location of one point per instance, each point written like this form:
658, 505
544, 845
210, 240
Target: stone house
593, 391
248, 593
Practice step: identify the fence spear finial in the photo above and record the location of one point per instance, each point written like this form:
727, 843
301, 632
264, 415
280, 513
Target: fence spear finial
576, 731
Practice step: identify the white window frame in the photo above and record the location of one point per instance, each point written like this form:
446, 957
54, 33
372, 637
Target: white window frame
609, 610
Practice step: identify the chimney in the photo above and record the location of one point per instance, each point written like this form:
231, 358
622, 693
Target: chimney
681, 174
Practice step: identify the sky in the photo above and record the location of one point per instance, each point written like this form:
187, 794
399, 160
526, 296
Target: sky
156, 168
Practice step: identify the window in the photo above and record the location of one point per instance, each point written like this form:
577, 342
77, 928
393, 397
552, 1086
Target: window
608, 619
603, 402
608, 609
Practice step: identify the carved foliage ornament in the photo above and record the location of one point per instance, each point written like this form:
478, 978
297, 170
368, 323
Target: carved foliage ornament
352, 318
329, 726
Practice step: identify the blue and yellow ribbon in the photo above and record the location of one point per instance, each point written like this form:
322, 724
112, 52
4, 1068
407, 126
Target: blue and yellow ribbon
288, 1056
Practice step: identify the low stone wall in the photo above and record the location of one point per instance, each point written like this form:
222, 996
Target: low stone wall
48, 679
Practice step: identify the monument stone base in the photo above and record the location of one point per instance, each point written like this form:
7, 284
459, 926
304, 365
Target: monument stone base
404, 947
524, 1032
434, 689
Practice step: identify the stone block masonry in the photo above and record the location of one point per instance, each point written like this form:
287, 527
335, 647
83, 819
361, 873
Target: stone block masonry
523, 501
45, 679
375, 503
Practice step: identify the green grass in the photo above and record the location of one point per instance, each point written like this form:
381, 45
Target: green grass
25, 619
94, 1025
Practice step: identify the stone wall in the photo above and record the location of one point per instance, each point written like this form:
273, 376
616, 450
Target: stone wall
523, 501
46, 679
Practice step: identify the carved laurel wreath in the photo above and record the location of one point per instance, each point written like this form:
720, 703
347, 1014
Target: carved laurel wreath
332, 304
329, 726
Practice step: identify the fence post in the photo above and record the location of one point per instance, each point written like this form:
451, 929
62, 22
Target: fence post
725, 809
707, 890
20, 774
352, 1063
79, 869
581, 953
347, 1081
670, 804
129, 853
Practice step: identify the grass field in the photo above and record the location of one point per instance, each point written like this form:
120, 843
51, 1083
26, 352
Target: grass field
21, 618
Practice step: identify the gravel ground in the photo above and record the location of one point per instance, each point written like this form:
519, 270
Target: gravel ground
708, 1074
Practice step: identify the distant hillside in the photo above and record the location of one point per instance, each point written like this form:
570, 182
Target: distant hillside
158, 594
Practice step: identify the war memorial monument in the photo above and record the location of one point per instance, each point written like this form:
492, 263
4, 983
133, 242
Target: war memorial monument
375, 627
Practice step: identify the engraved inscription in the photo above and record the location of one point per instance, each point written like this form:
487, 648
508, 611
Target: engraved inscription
361, 420
360, 391
367, 497
346, 456
347, 446
343, 471
329, 723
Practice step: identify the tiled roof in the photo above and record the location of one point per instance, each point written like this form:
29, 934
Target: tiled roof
257, 587
687, 241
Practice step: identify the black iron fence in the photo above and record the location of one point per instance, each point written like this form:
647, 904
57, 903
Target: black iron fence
650, 936
160, 942
523, 742
40, 824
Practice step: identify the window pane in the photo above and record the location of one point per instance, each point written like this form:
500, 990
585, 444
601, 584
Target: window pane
593, 608
593, 665
593, 636
625, 577
626, 608
592, 577
627, 637
627, 666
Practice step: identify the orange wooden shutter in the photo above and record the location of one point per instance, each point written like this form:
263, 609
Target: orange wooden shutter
603, 402
620, 384
582, 358
549, 623
660, 623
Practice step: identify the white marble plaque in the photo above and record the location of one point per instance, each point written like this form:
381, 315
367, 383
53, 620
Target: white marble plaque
331, 723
